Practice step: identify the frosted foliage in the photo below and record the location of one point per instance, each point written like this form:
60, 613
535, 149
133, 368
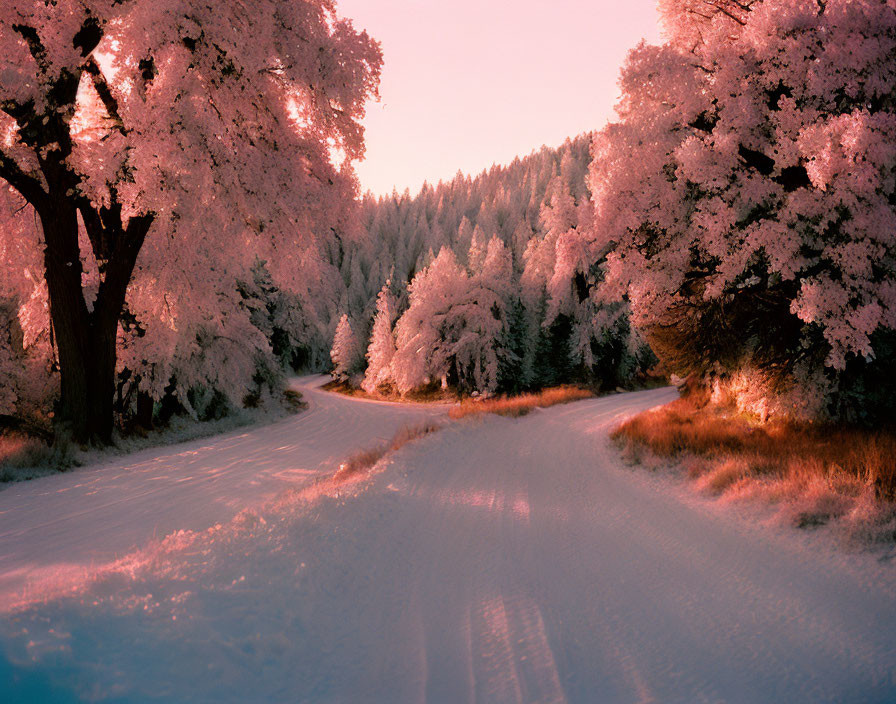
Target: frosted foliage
226, 144
687, 23
382, 343
26, 379
198, 121
453, 324
345, 354
756, 151
561, 264
22, 280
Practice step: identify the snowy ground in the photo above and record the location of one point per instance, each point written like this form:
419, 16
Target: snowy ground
498, 560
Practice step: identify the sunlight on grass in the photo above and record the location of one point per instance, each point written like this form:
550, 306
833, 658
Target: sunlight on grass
814, 473
516, 406
365, 459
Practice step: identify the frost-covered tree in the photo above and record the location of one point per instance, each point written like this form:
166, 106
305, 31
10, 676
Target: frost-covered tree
347, 354
527, 207
156, 143
381, 349
423, 333
744, 202
453, 327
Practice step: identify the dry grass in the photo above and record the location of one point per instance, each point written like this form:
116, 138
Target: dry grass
364, 460
431, 393
24, 457
516, 406
814, 473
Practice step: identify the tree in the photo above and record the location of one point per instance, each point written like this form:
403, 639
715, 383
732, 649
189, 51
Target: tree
744, 202
422, 334
382, 342
346, 354
454, 325
174, 146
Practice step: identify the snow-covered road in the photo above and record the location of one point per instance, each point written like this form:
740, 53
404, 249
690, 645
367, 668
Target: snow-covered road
499, 560
56, 528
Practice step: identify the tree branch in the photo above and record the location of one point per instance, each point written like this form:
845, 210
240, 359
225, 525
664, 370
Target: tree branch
35, 45
96, 232
718, 6
105, 93
125, 249
27, 185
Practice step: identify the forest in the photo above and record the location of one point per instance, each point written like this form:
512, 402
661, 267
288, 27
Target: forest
734, 229
609, 421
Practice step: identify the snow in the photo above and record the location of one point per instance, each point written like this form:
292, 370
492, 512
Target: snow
68, 523
496, 560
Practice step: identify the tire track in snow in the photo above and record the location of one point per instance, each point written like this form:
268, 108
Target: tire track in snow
496, 561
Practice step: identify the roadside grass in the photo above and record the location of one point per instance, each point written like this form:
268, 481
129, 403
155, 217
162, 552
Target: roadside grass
515, 406
431, 393
813, 473
24, 456
364, 460
464, 406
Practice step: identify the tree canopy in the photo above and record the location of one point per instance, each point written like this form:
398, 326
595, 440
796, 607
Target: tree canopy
744, 201
166, 148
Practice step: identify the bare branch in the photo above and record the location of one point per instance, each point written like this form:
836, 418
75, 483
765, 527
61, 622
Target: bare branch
720, 8
27, 185
105, 93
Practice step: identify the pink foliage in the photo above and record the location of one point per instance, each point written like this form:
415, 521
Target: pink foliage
757, 146
231, 125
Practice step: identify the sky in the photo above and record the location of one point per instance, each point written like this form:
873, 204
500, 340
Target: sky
470, 83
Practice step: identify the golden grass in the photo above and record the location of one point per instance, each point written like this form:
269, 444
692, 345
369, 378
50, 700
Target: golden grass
24, 456
364, 460
516, 406
431, 393
814, 472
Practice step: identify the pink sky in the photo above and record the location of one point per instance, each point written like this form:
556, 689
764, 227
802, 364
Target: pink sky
469, 83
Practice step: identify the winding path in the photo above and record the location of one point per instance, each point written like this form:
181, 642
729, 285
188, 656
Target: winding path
499, 560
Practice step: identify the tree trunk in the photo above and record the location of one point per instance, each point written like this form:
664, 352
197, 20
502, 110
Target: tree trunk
145, 407
101, 397
85, 340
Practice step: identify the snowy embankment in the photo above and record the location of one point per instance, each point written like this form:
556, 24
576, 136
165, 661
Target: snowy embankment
500, 560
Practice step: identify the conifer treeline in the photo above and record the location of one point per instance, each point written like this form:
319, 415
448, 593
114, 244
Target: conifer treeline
465, 284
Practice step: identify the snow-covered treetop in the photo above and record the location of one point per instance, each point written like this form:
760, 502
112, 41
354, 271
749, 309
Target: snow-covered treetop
176, 112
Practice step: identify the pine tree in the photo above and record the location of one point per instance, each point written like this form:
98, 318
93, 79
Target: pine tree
382, 343
344, 354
